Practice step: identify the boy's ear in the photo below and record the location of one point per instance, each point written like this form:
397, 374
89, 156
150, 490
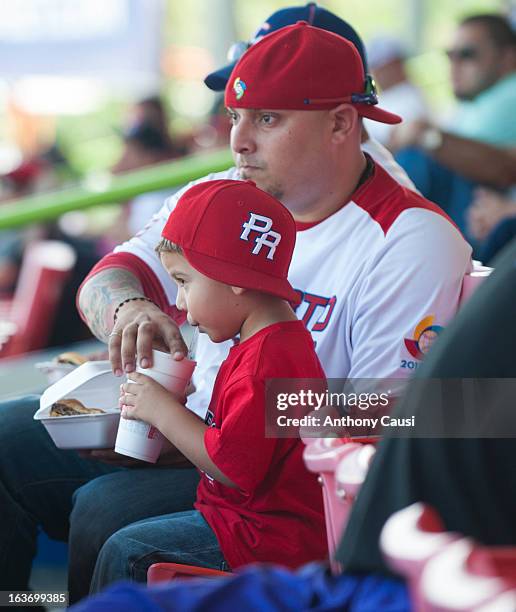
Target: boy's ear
238, 290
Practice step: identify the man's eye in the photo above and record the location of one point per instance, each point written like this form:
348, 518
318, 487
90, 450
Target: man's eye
267, 119
233, 118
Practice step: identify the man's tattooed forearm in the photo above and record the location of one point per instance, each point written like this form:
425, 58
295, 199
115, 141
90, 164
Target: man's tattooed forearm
101, 295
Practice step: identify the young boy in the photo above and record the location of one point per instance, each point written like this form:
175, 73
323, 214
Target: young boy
228, 246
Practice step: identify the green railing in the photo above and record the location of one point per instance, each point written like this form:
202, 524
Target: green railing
121, 188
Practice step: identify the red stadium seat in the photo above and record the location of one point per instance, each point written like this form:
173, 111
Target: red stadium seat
342, 466
27, 318
163, 572
473, 280
446, 572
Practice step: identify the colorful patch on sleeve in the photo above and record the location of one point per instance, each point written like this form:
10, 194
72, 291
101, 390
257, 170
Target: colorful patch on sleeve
424, 335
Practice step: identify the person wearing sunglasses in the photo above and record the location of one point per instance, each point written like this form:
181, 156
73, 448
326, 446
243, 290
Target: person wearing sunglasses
478, 147
483, 66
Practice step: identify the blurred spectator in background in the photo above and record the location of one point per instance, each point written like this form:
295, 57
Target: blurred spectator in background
147, 141
151, 111
214, 133
15, 184
492, 220
35, 174
447, 165
386, 57
44, 172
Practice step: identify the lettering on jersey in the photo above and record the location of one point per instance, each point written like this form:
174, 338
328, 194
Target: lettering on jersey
424, 335
409, 365
319, 310
266, 236
209, 419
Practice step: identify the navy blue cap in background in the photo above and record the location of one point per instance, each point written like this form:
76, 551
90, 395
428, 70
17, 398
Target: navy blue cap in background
313, 14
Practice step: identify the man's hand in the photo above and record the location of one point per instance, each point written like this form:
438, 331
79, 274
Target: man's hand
487, 210
407, 134
140, 327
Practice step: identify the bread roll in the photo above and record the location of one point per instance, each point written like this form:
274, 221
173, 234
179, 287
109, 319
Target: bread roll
71, 407
71, 358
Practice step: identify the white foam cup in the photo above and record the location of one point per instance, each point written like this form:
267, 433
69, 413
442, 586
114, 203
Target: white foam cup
139, 439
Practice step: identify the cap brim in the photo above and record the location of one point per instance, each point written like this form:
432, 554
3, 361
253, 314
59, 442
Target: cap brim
377, 114
217, 80
235, 275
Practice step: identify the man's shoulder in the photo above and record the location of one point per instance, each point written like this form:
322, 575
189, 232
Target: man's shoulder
386, 201
230, 173
502, 91
382, 155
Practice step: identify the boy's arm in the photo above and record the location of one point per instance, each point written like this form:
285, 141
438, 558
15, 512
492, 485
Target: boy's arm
186, 431
145, 399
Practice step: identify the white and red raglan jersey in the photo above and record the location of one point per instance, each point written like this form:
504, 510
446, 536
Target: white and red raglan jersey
379, 279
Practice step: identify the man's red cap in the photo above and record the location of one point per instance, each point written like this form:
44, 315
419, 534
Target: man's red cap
237, 234
300, 67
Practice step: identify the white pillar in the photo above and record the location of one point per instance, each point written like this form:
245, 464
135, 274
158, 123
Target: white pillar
222, 33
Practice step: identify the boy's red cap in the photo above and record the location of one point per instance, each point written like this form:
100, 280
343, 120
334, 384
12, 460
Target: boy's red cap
300, 67
237, 234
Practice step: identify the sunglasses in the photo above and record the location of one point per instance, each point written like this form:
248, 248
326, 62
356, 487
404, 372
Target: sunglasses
464, 54
369, 94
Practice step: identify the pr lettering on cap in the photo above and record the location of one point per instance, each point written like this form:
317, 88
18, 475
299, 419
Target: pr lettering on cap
265, 234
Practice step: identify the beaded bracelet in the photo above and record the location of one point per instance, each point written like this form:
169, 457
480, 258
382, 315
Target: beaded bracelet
145, 299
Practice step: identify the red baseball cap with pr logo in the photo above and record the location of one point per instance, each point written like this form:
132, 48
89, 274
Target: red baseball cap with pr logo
237, 234
300, 67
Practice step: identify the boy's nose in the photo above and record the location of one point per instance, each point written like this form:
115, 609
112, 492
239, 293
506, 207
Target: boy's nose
180, 300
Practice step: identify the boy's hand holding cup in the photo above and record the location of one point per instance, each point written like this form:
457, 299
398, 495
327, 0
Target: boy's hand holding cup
137, 438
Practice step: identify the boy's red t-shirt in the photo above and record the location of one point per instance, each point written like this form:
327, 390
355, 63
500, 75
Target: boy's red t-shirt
276, 512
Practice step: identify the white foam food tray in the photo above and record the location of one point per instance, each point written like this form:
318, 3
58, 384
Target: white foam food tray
93, 384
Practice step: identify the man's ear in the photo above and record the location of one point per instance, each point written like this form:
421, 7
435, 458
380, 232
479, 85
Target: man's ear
238, 290
344, 120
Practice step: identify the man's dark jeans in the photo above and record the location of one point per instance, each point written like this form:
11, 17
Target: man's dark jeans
70, 498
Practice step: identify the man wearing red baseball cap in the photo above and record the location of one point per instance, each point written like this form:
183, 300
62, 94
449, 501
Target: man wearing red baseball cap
297, 69
300, 67
228, 246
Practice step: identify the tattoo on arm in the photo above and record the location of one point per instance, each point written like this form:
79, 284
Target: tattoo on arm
101, 295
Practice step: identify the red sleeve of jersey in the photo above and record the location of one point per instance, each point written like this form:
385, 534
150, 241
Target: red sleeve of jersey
239, 447
151, 286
